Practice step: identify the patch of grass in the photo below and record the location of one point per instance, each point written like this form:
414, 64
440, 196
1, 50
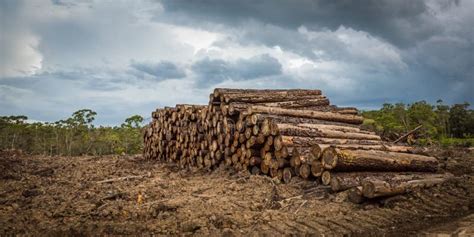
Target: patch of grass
460, 142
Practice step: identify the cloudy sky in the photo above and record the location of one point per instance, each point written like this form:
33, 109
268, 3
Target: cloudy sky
128, 57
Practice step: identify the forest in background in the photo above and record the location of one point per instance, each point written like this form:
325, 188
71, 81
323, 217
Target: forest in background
441, 124
446, 125
76, 135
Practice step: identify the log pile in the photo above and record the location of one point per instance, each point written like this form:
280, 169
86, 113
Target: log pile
283, 134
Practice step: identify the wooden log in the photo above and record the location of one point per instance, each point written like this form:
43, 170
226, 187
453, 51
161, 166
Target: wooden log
326, 177
408, 133
269, 96
370, 160
380, 147
318, 101
328, 116
287, 174
260, 117
355, 195
254, 160
305, 170
294, 141
372, 188
224, 91
307, 131
255, 170
341, 181
303, 155
311, 102
316, 168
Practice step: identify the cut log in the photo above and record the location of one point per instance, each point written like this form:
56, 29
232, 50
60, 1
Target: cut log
326, 178
270, 96
354, 195
305, 171
328, 116
225, 91
371, 160
305, 131
408, 134
372, 188
298, 120
294, 141
346, 180
316, 168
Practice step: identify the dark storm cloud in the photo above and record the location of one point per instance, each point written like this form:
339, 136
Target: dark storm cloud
401, 22
213, 71
428, 46
161, 71
61, 55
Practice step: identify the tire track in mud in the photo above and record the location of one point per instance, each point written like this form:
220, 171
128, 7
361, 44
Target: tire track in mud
416, 210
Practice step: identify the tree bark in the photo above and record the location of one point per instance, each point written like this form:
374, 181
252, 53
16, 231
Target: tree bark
372, 187
292, 141
297, 120
305, 131
227, 91
370, 160
328, 116
341, 181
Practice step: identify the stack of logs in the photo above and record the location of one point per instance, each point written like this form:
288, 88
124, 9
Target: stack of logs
283, 134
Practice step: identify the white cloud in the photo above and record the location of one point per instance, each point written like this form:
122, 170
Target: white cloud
20, 55
125, 57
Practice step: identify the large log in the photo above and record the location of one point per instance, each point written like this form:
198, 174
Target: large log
227, 91
312, 102
292, 141
304, 131
257, 117
371, 160
341, 181
372, 187
340, 128
328, 116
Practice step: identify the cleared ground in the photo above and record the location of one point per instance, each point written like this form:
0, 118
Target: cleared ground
86, 195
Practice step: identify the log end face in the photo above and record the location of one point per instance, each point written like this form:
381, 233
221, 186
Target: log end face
316, 151
335, 185
316, 168
305, 171
277, 143
326, 177
329, 158
368, 189
355, 195
286, 175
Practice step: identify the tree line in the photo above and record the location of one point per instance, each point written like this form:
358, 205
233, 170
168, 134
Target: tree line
73, 136
442, 124
77, 135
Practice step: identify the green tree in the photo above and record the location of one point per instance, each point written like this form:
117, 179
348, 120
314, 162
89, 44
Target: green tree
442, 118
422, 113
461, 121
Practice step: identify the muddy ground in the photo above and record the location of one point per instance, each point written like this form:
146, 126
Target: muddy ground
85, 196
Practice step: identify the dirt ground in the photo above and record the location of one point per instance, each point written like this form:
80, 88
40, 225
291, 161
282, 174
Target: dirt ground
87, 196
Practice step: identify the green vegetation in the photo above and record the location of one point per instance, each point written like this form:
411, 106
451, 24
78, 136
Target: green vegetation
75, 135
442, 124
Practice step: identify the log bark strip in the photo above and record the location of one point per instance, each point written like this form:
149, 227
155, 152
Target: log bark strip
372, 188
329, 116
371, 160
